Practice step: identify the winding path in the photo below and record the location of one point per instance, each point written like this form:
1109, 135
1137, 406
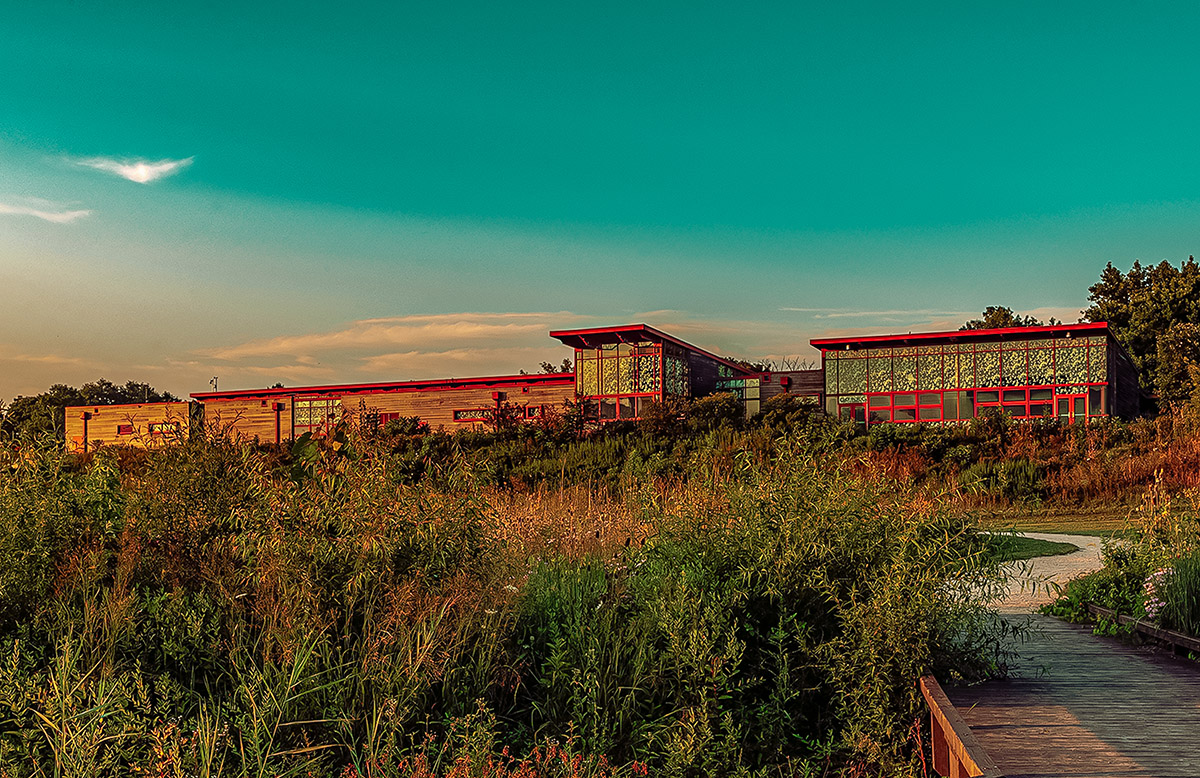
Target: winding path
1081, 705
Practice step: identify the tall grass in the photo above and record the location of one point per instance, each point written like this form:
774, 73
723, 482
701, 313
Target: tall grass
217, 609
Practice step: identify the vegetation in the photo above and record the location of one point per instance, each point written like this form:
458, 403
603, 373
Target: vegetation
216, 609
1154, 312
42, 414
1014, 548
1155, 573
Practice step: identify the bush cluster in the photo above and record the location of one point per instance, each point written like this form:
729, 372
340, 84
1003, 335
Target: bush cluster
217, 609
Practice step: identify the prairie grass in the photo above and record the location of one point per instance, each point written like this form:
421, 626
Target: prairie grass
217, 609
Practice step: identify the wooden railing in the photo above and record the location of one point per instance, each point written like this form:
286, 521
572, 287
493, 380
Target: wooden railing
956, 752
1175, 639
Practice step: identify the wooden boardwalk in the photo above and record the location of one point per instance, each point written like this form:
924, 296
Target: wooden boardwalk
1085, 706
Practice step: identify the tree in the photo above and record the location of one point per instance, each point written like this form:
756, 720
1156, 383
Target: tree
42, 414
997, 317
1141, 307
1178, 356
567, 366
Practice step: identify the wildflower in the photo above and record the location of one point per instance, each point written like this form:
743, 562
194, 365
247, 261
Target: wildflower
1153, 587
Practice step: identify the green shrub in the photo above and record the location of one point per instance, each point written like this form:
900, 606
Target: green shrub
1181, 608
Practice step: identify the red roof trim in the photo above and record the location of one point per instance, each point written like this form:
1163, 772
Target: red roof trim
963, 334
574, 337
394, 386
129, 405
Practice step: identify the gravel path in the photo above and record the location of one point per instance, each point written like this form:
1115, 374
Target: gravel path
1030, 587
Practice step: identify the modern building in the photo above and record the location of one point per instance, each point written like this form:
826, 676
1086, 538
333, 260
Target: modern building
146, 425
1073, 372
279, 414
619, 370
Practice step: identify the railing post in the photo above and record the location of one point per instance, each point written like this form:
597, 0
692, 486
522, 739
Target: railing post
941, 750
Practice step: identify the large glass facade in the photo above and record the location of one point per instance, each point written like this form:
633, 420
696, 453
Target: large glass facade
315, 414
1032, 378
616, 380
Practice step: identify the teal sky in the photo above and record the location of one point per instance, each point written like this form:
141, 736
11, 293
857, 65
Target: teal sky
355, 192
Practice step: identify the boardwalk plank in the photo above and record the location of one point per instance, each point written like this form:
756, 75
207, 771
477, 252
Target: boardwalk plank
1085, 706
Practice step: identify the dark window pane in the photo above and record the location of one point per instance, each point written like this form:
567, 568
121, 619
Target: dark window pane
905, 414
879, 401
877, 416
904, 399
1040, 409
1015, 410
625, 404
608, 409
1014, 395
950, 405
987, 397
1041, 394
934, 398
931, 414
1095, 401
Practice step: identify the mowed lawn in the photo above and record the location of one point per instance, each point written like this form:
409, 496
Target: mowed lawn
1102, 522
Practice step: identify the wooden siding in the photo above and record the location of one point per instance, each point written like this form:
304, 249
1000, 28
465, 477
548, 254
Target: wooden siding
254, 418
436, 407
125, 425
810, 383
249, 419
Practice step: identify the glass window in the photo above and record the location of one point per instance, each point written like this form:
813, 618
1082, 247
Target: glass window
1014, 395
878, 416
905, 399
879, 401
608, 409
905, 414
931, 414
950, 405
987, 397
933, 398
1041, 394
1095, 402
625, 406
1014, 410
1039, 409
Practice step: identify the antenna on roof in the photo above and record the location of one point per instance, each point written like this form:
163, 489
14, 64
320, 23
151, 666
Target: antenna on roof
213, 383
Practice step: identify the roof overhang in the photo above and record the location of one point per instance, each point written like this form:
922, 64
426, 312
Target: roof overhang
532, 379
595, 337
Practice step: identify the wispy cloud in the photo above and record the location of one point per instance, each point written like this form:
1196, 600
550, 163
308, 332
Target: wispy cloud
393, 334
887, 314
141, 171
46, 211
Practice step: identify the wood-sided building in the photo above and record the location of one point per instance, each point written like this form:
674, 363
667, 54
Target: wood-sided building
144, 425
1073, 372
620, 370
280, 414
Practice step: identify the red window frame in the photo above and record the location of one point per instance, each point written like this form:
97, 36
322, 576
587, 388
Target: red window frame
598, 400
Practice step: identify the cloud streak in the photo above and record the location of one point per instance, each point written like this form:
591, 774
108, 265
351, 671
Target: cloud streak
140, 171
48, 212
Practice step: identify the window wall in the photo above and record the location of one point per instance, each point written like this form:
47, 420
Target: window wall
617, 380
315, 414
952, 381
747, 389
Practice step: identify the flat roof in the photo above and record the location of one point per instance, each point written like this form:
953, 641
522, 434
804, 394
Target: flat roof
959, 335
128, 405
633, 333
393, 386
